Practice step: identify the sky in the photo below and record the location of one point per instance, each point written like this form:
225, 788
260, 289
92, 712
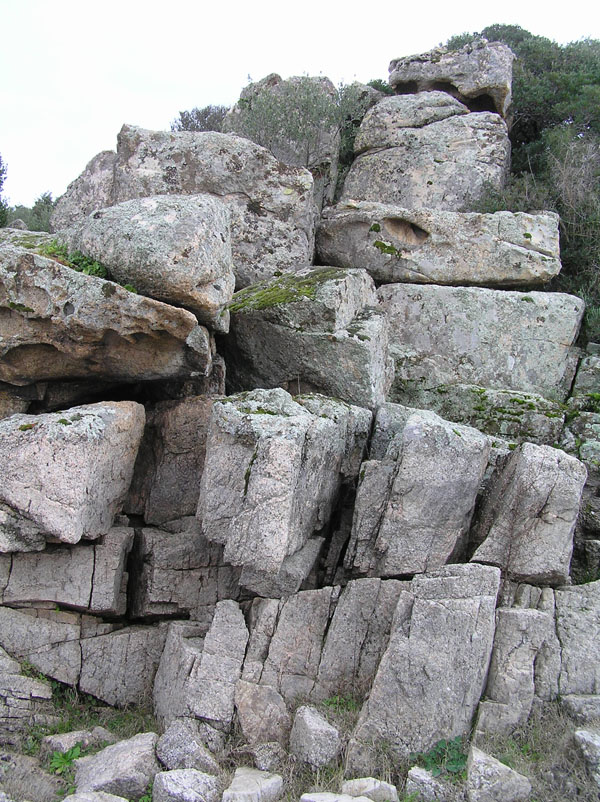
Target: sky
74, 71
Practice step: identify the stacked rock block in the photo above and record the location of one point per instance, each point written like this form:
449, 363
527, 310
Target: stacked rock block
376, 508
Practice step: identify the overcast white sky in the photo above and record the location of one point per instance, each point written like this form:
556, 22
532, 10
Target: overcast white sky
73, 71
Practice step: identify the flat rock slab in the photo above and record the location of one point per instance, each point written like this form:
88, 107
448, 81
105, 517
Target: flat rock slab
490, 338
68, 472
272, 471
425, 246
252, 785
56, 323
414, 507
428, 684
480, 73
317, 330
376, 790
89, 577
436, 163
528, 517
185, 785
271, 204
174, 248
124, 769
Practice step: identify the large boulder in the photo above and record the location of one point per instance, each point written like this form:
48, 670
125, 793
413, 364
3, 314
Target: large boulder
433, 672
272, 208
272, 471
414, 507
528, 517
317, 330
69, 472
57, 323
173, 248
480, 74
491, 338
124, 769
427, 151
424, 246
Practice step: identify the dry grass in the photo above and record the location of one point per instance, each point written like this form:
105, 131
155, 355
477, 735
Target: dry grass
543, 750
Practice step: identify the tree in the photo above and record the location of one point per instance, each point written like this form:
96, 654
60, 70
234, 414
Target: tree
208, 118
36, 217
3, 204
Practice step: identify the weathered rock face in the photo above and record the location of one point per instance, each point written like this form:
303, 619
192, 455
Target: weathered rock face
180, 572
90, 578
60, 324
489, 780
93, 189
24, 701
68, 472
491, 338
272, 470
407, 161
116, 665
528, 519
578, 630
423, 246
197, 675
319, 643
480, 74
428, 685
166, 479
124, 769
509, 414
309, 96
313, 739
414, 507
271, 204
510, 690
313, 331
173, 248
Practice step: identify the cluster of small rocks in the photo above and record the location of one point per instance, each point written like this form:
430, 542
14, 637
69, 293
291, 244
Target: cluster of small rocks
377, 509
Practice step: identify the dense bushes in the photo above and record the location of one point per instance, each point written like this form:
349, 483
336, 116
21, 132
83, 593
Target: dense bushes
555, 136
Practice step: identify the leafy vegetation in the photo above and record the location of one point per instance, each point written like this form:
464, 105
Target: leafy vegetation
60, 762
37, 217
446, 757
79, 262
555, 137
208, 118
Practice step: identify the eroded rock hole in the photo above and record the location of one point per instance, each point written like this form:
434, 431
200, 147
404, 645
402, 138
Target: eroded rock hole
408, 233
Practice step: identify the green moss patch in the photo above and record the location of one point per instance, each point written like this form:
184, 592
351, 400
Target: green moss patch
287, 289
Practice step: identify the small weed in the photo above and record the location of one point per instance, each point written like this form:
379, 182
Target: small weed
386, 247
376, 228
342, 704
130, 288
60, 762
527, 235
147, 797
64, 421
25, 427
446, 757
